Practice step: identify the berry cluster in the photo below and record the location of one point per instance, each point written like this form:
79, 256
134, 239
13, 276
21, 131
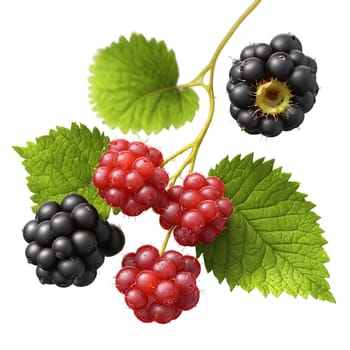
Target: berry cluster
271, 87
158, 288
69, 241
130, 176
198, 209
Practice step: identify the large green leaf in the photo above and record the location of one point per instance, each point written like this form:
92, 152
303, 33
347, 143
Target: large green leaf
133, 86
63, 162
273, 241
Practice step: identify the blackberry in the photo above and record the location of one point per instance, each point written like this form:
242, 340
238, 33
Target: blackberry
71, 268
85, 279
71, 201
305, 101
115, 242
62, 224
298, 58
262, 51
280, 65
29, 230
285, 42
43, 275
94, 260
84, 242
46, 259
69, 241
43, 235
102, 231
272, 86
46, 210
247, 52
253, 69
293, 117
247, 119
241, 95
235, 73
85, 215
32, 251
302, 79
63, 247
57, 279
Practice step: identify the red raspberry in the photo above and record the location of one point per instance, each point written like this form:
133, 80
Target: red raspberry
158, 288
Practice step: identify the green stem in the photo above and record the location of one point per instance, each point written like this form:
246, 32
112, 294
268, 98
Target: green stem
198, 81
165, 242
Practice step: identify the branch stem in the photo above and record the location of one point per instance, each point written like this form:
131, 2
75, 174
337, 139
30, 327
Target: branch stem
198, 81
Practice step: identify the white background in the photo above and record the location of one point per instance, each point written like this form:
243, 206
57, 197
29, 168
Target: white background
46, 49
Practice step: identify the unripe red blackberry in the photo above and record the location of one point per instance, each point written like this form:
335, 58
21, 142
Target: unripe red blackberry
130, 176
194, 209
158, 288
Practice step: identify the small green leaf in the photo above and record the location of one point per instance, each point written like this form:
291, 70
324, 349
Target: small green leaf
133, 87
63, 162
273, 241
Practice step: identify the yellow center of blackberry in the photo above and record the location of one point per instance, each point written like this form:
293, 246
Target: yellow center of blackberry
273, 97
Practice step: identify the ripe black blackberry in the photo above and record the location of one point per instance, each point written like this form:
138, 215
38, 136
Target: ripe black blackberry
69, 241
272, 86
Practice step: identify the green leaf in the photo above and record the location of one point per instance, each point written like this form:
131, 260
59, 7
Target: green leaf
63, 162
272, 241
133, 86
